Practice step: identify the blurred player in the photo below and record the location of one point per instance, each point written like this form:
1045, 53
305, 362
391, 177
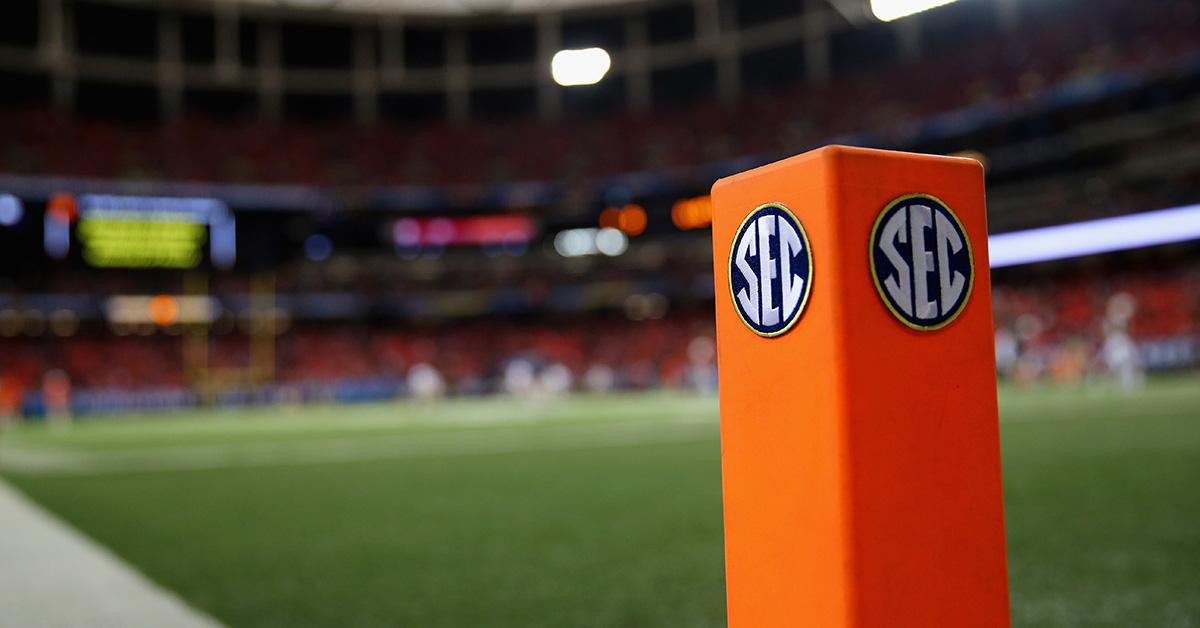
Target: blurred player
1031, 362
701, 374
56, 396
519, 378
1008, 351
425, 382
599, 378
556, 380
1120, 351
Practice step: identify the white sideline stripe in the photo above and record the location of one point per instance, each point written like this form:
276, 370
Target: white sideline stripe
303, 453
518, 438
53, 577
44, 461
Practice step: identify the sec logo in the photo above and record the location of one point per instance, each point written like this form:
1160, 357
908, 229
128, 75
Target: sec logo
770, 270
921, 261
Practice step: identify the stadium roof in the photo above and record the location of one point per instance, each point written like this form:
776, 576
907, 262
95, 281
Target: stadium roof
437, 7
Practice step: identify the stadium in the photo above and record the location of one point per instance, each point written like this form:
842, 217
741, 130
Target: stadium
403, 312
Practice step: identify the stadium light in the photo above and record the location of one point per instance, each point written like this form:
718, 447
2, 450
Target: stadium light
585, 66
11, 210
590, 241
888, 10
1164, 226
611, 242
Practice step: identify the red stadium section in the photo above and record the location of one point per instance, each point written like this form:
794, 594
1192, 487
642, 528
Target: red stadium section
1002, 72
340, 250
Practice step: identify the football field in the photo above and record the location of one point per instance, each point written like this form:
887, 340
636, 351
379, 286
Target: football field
588, 511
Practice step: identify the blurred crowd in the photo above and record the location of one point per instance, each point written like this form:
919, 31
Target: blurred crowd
371, 326
1106, 35
527, 358
1117, 324
1076, 328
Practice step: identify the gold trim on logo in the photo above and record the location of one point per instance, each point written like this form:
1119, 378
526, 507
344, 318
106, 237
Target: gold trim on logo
875, 275
807, 284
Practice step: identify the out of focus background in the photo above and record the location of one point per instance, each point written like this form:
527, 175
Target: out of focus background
399, 312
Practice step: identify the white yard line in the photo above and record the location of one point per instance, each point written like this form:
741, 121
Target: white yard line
53, 577
514, 439
56, 461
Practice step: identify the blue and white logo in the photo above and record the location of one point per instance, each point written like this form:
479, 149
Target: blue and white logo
921, 261
770, 270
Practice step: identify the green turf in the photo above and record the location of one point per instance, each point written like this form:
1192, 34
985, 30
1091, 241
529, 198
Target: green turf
586, 512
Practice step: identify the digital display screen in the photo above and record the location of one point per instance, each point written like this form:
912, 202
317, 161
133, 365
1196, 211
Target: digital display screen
141, 231
463, 231
122, 239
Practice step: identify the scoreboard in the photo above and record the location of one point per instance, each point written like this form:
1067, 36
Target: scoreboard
141, 231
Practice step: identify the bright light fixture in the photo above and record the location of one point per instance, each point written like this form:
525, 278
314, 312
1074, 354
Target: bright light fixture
576, 242
11, 210
585, 66
888, 10
1105, 235
591, 241
611, 242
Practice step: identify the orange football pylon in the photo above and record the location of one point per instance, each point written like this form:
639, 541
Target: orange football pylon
859, 431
